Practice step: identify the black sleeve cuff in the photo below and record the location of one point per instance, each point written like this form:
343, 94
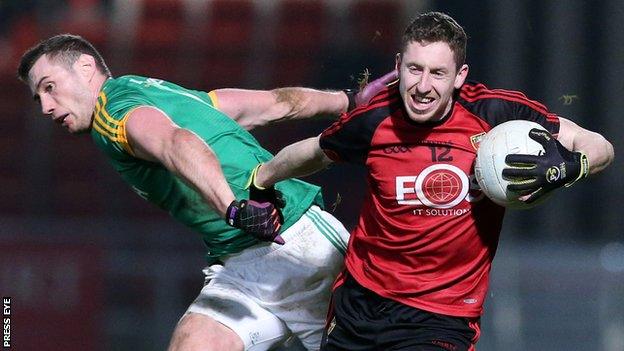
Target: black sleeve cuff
351, 96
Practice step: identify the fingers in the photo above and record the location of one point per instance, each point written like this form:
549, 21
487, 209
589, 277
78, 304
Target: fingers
279, 240
371, 89
389, 77
519, 173
522, 160
277, 225
541, 136
257, 204
523, 187
279, 199
521, 180
536, 195
277, 216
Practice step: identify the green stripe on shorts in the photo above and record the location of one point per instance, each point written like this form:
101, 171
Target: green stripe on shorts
327, 230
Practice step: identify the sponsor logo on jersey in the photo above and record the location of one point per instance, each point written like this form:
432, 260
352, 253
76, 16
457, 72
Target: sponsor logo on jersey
439, 186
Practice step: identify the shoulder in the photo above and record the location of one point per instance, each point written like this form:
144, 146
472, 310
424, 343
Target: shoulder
496, 106
125, 85
475, 94
118, 97
350, 137
123, 93
367, 117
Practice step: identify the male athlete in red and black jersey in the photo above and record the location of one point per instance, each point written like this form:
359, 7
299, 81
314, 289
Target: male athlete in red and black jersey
418, 262
422, 200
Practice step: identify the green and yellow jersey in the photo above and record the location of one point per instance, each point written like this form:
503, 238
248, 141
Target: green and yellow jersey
237, 150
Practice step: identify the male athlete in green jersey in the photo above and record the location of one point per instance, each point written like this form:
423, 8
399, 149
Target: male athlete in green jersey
185, 151
234, 148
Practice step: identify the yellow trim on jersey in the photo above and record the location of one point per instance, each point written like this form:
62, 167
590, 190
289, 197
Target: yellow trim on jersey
212, 95
103, 110
102, 124
122, 134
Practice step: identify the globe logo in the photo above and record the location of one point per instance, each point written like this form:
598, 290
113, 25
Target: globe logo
441, 186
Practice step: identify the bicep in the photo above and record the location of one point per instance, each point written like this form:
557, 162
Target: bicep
253, 108
249, 108
150, 133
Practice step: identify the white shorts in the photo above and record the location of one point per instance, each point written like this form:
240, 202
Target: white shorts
268, 291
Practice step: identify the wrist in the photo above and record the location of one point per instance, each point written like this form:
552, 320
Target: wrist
583, 168
232, 212
261, 181
256, 181
351, 103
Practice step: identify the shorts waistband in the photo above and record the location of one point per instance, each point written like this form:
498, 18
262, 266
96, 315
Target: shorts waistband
326, 229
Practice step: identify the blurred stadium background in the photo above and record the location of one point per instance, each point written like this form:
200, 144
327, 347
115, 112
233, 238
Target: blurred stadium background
90, 266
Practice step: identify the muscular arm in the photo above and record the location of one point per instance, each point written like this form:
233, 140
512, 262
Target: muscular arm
599, 151
253, 108
296, 160
154, 137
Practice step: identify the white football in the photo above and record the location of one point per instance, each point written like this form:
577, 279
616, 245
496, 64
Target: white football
511, 137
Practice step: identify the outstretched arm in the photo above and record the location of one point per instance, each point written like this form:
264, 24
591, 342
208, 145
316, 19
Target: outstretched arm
154, 137
254, 108
296, 160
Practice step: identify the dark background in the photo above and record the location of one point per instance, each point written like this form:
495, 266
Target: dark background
90, 265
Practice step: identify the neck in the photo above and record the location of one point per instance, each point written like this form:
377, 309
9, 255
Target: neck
96, 86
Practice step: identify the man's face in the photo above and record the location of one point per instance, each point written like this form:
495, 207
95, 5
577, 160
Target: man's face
63, 94
427, 79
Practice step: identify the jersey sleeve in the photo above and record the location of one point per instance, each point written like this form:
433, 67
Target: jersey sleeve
496, 106
213, 99
348, 139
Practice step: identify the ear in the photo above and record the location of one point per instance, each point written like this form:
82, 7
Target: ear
397, 61
460, 78
85, 66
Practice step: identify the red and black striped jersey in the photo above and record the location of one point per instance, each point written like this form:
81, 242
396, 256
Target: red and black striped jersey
426, 235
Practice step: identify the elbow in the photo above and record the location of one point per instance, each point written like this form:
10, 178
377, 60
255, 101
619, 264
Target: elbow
610, 152
321, 160
177, 146
607, 151
604, 156
179, 138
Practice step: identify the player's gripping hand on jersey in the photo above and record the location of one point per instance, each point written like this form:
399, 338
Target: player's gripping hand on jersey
535, 176
263, 194
260, 219
369, 90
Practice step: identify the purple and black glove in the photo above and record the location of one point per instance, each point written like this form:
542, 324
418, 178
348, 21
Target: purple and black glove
260, 219
366, 93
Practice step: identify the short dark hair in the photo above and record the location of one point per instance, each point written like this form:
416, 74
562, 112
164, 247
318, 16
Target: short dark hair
65, 48
437, 26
